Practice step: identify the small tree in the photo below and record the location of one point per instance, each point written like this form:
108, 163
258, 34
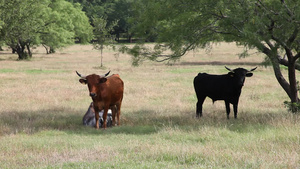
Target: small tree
102, 33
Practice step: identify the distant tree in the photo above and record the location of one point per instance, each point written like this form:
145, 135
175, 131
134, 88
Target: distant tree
112, 10
54, 23
67, 23
270, 26
123, 12
22, 20
96, 8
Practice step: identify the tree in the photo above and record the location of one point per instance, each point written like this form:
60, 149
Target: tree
66, 23
270, 26
112, 10
122, 13
54, 23
102, 35
21, 24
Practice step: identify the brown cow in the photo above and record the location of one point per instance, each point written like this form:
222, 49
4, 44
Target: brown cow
106, 92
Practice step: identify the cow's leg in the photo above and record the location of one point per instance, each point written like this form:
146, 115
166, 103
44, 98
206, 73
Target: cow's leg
235, 109
227, 108
114, 111
118, 113
199, 106
96, 116
104, 117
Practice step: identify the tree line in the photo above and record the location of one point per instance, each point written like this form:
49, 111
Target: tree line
270, 26
54, 24
57, 23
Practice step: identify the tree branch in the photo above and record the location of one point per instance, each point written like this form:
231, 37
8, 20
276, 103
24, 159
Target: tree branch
169, 57
293, 36
286, 63
289, 12
280, 60
297, 56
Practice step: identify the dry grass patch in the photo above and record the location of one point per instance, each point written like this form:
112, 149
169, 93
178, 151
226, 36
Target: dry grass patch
42, 105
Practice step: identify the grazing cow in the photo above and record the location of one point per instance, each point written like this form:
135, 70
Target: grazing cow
90, 120
225, 87
106, 93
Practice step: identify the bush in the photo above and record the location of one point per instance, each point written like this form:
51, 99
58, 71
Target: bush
292, 107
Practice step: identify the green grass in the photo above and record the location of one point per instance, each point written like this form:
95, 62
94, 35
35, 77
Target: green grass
7, 70
31, 71
42, 105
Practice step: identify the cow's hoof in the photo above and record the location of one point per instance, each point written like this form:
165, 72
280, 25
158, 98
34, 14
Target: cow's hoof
198, 116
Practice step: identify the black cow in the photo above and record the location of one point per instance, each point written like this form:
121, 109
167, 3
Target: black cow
90, 120
225, 87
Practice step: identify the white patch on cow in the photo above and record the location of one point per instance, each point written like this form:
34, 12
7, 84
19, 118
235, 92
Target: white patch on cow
102, 111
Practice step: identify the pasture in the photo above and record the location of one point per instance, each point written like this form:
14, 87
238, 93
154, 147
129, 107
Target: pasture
42, 105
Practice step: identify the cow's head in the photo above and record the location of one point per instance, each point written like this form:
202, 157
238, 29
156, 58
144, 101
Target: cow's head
93, 81
239, 75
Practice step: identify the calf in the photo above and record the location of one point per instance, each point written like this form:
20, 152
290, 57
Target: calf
225, 87
90, 120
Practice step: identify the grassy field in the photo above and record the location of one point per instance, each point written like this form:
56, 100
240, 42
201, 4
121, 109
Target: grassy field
42, 105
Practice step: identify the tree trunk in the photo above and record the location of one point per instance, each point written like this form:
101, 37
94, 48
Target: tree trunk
292, 76
52, 50
281, 80
46, 48
29, 51
289, 87
294, 106
101, 50
20, 49
22, 54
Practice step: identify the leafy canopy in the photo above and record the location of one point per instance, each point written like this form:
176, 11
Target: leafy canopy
184, 25
55, 23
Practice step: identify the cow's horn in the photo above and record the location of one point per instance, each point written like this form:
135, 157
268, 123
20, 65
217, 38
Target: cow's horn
105, 74
252, 69
80, 75
228, 69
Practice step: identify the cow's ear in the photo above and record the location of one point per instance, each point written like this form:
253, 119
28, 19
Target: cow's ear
83, 81
102, 80
231, 74
249, 74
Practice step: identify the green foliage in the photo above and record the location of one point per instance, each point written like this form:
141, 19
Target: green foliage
112, 11
52, 23
139, 50
102, 31
22, 21
102, 34
292, 107
67, 24
186, 25
180, 26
